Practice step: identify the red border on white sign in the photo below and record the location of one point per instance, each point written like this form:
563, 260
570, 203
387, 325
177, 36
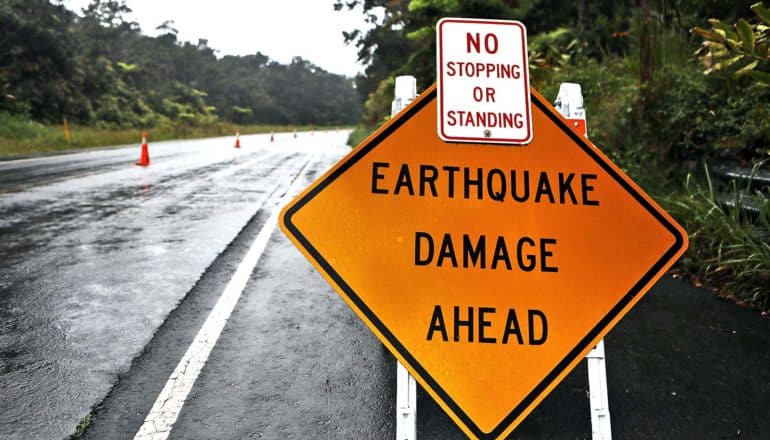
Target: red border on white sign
528, 135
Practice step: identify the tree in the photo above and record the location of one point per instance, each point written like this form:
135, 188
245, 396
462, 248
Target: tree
403, 41
110, 13
100, 69
36, 58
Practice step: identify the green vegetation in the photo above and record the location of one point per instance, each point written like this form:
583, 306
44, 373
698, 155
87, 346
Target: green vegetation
665, 98
743, 48
82, 426
729, 252
20, 136
98, 70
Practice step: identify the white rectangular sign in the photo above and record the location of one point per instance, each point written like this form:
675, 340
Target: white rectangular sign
483, 81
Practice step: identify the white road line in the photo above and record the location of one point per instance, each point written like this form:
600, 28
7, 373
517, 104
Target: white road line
168, 405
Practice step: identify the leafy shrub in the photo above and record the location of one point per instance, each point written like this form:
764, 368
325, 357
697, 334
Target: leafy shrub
377, 105
682, 118
359, 133
18, 127
694, 117
550, 52
728, 251
743, 49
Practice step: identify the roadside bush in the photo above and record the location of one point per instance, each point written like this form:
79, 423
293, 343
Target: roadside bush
729, 252
376, 111
682, 118
694, 117
552, 51
609, 93
359, 133
377, 105
19, 127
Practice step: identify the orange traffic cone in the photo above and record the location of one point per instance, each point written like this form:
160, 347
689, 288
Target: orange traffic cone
144, 158
237, 139
272, 138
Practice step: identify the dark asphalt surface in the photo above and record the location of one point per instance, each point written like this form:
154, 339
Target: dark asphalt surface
97, 252
294, 362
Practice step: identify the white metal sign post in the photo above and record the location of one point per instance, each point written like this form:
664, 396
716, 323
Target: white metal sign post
483, 81
569, 102
406, 386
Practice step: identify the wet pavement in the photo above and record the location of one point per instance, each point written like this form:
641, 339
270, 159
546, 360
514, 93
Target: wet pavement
294, 362
97, 252
106, 303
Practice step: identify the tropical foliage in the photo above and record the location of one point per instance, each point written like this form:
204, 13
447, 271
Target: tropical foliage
742, 48
98, 68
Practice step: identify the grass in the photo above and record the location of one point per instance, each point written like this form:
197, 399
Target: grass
82, 426
729, 250
21, 137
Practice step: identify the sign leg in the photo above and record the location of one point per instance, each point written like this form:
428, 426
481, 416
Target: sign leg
406, 388
569, 102
597, 389
406, 404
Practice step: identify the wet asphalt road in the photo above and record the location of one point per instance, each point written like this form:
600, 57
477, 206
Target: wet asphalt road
97, 252
107, 275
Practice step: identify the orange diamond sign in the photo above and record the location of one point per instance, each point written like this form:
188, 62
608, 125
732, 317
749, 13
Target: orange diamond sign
488, 271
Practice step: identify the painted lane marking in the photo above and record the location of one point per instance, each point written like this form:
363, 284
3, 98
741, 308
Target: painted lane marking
168, 405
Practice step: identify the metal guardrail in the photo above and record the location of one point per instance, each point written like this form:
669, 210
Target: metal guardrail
754, 179
746, 189
751, 204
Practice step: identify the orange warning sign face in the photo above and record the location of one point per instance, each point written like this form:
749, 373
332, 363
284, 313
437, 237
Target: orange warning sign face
488, 271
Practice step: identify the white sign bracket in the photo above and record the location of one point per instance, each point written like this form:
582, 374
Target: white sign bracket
406, 386
569, 102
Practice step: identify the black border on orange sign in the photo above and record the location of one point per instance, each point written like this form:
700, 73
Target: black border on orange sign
655, 271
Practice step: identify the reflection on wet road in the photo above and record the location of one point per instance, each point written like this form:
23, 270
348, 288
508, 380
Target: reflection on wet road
97, 252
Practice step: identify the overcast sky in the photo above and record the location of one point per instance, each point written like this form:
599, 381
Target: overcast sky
280, 29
